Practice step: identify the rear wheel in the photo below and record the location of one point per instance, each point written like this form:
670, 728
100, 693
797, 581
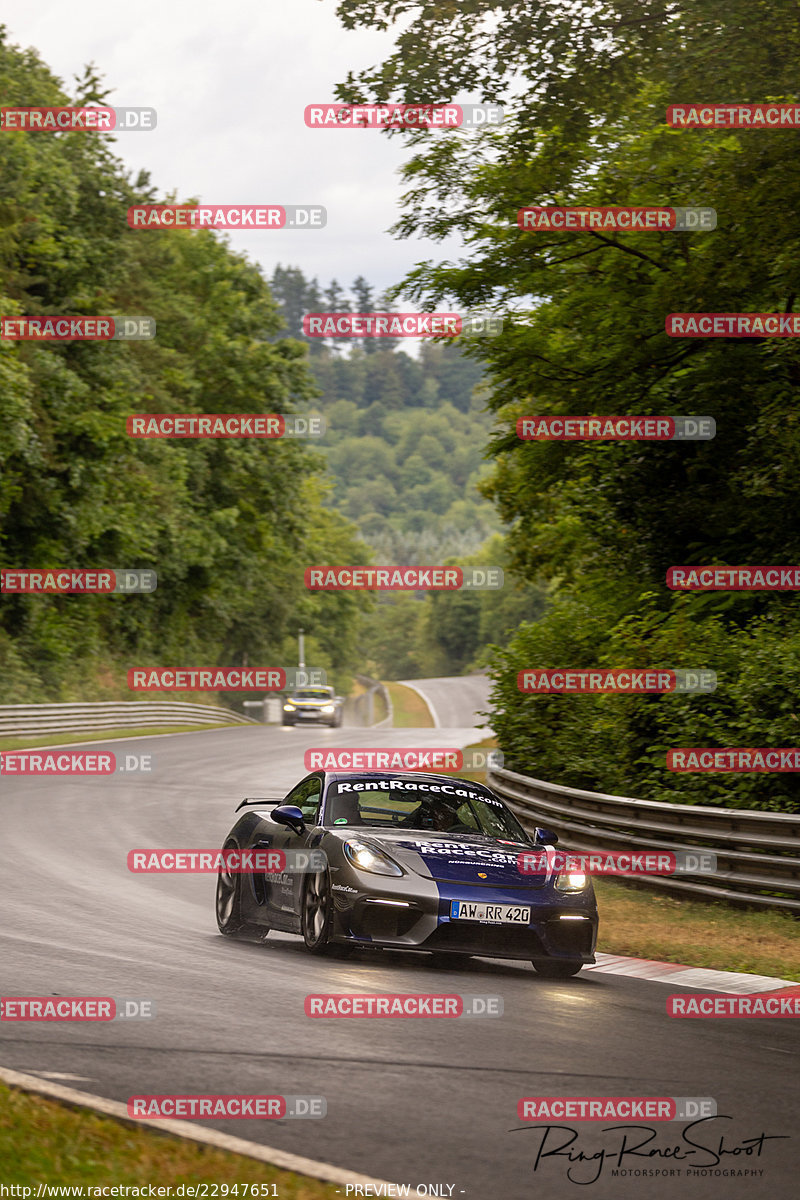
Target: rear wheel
230, 921
556, 968
317, 914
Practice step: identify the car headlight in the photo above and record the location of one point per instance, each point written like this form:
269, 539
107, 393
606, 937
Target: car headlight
571, 881
328, 708
367, 859
288, 708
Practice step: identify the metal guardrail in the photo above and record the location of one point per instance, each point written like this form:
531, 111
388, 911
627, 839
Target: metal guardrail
23, 720
758, 853
362, 708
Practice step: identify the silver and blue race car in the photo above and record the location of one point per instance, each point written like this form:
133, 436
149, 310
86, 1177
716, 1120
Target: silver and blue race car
409, 862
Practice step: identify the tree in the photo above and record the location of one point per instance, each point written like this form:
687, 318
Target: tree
585, 93
226, 524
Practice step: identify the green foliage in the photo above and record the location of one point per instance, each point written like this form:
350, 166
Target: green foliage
406, 436
618, 743
228, 525
585, 92
446, 633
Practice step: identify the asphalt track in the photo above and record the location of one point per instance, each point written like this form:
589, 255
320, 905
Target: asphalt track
423, 1102
453, 702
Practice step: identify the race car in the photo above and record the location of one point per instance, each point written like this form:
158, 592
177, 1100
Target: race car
406, 861
307, 704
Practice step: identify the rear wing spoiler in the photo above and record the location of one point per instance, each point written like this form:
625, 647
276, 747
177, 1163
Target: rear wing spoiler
259, 800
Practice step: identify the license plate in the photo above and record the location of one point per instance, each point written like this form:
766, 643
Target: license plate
497, 914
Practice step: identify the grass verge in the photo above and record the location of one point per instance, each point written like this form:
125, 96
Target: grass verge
43, 1141
410, 710
646, 924
106, 735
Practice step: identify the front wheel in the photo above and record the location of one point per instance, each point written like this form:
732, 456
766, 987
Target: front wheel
555, 968
317, 913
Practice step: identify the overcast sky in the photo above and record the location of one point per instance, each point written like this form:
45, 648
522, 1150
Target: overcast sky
230, 82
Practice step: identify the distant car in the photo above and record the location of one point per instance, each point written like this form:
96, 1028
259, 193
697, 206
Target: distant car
410, 862
307, 704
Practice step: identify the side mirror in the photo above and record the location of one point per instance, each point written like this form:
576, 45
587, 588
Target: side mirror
545, 837
289, 814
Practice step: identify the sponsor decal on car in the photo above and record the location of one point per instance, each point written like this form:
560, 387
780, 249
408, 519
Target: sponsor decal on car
411, 785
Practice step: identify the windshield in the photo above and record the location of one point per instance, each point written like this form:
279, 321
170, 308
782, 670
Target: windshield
311, 694
453, 807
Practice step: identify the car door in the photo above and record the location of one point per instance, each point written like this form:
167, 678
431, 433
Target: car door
284, 888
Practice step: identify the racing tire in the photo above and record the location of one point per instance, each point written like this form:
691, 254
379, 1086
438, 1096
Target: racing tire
230, 921
337, 720
555, 968
285, 721
317, 913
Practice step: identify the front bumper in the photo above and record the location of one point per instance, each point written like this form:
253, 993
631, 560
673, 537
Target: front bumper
301, 717
562, 927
